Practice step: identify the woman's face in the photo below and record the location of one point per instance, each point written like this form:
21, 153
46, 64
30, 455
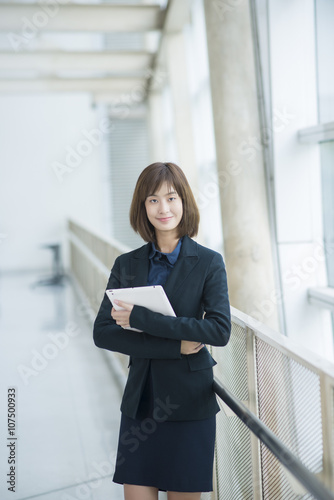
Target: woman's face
164, 209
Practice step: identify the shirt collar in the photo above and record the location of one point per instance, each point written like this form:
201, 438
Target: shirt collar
171, 257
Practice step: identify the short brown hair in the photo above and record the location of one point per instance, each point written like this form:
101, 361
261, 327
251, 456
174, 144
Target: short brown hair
148, 182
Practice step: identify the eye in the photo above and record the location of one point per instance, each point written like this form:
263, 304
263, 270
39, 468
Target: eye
172, 198
153, 200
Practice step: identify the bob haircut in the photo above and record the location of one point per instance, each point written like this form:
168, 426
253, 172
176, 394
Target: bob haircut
149, 181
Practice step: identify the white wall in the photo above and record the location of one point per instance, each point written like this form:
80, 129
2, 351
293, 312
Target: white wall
297, 171
37, 131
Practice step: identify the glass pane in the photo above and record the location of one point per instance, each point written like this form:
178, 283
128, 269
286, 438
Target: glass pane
325, 58
327, 169
207, 196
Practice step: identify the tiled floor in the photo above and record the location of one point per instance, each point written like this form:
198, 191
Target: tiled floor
67, 411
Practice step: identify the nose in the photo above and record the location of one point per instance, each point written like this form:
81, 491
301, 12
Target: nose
164, 208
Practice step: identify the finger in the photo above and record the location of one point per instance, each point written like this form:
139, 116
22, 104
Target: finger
123, 324
117, 316
121, 320
121, 314
125, 305
199, 347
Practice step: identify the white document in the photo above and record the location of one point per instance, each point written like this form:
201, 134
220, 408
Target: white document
152, 297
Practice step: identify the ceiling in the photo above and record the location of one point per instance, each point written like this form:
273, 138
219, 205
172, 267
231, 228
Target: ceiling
107, 49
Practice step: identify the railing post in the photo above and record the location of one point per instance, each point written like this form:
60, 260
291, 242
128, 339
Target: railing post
214, 494
253, 407
327, 413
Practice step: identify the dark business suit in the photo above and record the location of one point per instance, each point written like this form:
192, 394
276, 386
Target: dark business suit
196, 285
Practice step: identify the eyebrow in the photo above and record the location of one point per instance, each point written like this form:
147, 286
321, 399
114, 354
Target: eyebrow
167, 194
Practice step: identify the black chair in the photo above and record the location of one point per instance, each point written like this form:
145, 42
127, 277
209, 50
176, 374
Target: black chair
58, 275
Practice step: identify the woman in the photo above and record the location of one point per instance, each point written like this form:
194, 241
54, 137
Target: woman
167, 432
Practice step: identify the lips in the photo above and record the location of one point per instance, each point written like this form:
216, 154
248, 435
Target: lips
165, 219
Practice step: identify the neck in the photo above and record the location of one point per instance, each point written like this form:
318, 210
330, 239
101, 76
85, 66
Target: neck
166, 243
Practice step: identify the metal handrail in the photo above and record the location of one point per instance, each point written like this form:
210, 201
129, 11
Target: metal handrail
256, 338
118, 245
275, 445
284, 344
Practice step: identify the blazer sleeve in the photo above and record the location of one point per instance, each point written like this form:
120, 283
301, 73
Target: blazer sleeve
108, 335
214, 329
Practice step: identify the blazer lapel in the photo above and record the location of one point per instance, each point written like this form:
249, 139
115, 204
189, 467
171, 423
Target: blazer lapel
185, 263
187, 260
139, 266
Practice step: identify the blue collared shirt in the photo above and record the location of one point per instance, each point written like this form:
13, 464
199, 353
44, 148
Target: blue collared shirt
161, 264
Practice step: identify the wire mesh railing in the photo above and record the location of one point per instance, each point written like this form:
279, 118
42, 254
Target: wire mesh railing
275, 446
289, 389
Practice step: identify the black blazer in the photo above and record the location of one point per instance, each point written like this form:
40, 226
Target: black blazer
182, 384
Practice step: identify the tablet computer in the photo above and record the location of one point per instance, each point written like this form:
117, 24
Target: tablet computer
153, 297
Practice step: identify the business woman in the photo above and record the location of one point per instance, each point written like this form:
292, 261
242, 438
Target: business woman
167, 432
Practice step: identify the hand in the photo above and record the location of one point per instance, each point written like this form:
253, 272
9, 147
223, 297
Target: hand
188, 347
122, 318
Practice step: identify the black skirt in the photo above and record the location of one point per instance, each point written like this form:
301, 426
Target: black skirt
168, 455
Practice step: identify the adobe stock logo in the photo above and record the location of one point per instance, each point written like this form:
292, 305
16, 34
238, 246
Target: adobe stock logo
40, 359
75, 155
39, 20
223, 6
148, 426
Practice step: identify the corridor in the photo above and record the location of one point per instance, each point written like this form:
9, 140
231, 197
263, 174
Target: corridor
67, 406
